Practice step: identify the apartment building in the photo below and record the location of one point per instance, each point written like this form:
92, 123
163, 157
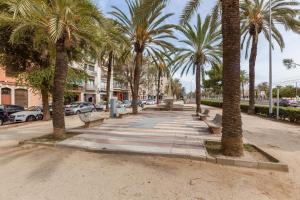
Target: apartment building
119, 90
89, 90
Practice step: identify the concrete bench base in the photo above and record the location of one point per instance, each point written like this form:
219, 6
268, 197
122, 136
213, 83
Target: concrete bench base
215, 125
215, 130
203, 117
93, 123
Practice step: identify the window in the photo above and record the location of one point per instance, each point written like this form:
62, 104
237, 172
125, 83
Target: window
92, 68
91, 82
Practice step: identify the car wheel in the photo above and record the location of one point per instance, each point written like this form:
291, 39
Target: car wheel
78, 112
39, 117
1, 122
30, 118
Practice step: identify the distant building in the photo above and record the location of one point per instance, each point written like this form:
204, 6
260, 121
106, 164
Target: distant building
88, 91
119, 90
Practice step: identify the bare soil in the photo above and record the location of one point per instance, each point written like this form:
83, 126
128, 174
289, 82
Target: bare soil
35, 172
250, 152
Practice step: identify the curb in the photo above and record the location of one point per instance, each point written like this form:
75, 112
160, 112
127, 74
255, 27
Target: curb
275, 165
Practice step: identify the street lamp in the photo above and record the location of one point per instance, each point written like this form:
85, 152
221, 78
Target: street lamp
270, 61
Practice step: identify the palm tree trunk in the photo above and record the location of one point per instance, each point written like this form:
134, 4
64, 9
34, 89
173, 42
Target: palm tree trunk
109, 69
252, 60
136, 81
158, 87
60, 75
198, 88
45, 101
232, 138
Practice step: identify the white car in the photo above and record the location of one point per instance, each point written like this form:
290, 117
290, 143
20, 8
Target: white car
150, 102
31, 114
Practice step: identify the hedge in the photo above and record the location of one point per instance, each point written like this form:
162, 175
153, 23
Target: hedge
285, 113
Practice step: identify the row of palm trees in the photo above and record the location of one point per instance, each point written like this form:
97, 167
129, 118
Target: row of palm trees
73, 29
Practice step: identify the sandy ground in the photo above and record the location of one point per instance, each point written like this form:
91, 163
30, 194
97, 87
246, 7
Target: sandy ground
37, 173
46, 173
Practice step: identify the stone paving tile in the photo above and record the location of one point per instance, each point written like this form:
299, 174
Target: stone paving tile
163, 133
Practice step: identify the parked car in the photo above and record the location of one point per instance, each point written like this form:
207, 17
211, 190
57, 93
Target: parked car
77, 108
144, 101
127, 103
150, 102
7, 110
31, 114
100, 106
120, 104
284, 103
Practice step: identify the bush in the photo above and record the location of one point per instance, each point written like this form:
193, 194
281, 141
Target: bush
290, 114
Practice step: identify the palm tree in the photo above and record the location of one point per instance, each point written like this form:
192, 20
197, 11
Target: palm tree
203, 49
232, 142
174, 87
67, 24
147, 31
254, 21
290, 64
244, 80
111, 47
162, 62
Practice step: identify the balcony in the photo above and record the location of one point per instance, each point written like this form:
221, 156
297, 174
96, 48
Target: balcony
91, 73
91, 87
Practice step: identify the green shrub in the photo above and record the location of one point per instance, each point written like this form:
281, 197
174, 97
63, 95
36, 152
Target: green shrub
290, 114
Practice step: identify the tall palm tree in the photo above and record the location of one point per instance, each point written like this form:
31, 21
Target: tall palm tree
244, 80
232, 143
111, 47
254, 21
67, 24
232, 137
202, 49
162, 62
147, 30
174, 87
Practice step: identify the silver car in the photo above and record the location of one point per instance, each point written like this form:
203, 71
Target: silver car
77, 108
31, 114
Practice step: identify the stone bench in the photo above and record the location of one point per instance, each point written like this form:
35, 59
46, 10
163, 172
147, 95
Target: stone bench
92, 119
204, 115
215, 125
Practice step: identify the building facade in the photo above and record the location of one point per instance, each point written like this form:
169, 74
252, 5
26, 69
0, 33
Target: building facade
12, 93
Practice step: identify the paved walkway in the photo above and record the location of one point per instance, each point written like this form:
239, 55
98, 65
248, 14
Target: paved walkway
11, 135
164, 133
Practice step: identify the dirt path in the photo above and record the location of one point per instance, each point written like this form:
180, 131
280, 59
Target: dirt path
38, 173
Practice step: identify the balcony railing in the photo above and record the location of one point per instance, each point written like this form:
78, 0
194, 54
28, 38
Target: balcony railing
91, 73
91, 87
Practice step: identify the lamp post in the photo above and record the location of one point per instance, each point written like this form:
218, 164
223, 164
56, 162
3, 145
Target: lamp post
270, 61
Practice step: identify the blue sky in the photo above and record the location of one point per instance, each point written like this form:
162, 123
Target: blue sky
280, 73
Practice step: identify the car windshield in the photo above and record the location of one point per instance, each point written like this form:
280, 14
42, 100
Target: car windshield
73, 105
32, 108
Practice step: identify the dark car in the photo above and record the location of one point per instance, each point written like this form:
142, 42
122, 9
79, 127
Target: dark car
7, 110
284, 103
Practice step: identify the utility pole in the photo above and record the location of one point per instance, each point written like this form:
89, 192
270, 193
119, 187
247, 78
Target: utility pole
296, 90
270, 60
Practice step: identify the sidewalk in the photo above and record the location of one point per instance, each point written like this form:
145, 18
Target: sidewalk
11, 136
152, 132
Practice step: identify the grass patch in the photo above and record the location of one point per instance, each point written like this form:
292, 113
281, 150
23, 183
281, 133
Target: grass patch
49, 139
215, 148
